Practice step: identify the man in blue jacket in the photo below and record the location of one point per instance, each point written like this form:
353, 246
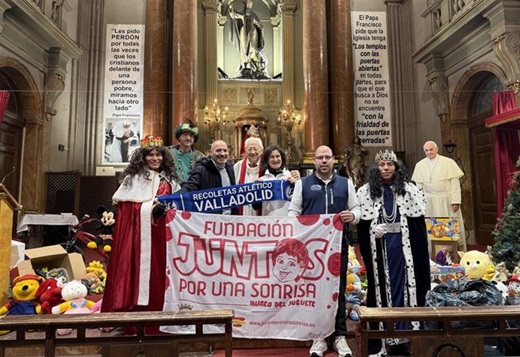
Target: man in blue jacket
325, 192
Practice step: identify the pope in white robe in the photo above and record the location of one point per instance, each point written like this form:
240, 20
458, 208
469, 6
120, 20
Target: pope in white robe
439, 179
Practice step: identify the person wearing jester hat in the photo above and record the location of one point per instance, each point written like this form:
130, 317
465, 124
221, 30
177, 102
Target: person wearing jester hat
393, 243
184, 155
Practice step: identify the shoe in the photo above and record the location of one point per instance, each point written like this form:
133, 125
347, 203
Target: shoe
318, 348
340, 346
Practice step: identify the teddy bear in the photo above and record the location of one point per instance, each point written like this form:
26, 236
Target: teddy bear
107, 221
49, 294
73, 294
24, 300
353, 294
477, 265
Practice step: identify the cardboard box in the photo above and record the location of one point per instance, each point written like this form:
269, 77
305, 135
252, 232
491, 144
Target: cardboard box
17, 253
446, 273
53, 256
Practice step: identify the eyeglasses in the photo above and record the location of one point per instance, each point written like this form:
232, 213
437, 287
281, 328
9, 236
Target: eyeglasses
253, 149
324, 157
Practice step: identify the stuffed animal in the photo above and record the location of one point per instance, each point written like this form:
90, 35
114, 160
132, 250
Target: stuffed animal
107, 221
24, 300
352, 258
95, 266
73, 293
353, 294
501, 273
49, 295
93, 283
513, 286
478, 265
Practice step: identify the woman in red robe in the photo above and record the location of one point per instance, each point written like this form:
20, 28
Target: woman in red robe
136, 277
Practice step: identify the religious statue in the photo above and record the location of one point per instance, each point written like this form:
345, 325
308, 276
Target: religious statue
247, 34
355, 162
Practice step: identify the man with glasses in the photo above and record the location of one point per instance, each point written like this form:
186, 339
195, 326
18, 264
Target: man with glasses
325, 192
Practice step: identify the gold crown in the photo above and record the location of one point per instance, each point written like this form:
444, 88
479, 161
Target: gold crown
386, 156
151, 140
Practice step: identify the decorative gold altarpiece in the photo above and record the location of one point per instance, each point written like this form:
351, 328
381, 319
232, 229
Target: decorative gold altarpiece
7, 207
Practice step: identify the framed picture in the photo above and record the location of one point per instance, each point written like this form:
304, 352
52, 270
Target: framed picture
443, 228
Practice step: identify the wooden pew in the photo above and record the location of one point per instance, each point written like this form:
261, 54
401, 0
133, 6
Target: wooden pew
431, 342
50, 323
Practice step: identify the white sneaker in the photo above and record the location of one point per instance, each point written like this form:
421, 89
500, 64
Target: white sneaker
318, 348
340, 346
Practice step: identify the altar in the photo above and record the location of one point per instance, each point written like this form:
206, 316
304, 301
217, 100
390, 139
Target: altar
34, 236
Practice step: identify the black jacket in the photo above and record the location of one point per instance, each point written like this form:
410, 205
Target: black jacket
205, 175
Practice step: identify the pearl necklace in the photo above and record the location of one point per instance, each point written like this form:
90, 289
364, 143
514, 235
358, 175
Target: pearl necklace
390, 218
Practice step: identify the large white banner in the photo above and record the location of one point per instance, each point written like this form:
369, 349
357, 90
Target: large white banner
123, 99
280, 275
371, 78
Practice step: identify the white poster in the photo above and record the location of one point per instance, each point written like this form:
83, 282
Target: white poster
371, 78
123, 99
280, 275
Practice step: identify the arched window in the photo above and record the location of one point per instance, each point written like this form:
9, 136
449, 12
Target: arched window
481, 101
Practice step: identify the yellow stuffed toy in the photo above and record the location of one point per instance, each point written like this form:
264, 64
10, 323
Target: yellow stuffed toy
477, 265
24, 301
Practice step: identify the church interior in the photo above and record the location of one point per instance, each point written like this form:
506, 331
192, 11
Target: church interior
386, 75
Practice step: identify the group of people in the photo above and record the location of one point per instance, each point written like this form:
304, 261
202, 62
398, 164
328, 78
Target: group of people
388, 209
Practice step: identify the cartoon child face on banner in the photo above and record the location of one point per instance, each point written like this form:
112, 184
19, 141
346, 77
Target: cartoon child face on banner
290, 259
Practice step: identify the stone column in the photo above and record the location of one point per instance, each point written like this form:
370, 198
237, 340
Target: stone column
211, 11
316, 112
286, 9
184, 62
402, 79
155, 86
342, 77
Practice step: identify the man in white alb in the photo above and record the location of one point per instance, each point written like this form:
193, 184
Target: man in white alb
438, 176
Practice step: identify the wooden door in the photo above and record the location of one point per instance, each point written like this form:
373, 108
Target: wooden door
483, 180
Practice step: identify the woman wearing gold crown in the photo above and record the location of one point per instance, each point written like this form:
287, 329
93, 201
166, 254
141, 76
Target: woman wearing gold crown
393, 241
137, 270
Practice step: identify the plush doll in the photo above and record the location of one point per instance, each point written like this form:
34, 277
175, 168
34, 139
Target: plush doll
353, 294
501, 273
93, 283
352, 259
513, 286
107, 221
24, 300
478, 265
95, 266
49, 295
73, 294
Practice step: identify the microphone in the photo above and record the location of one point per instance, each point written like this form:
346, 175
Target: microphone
6, 176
